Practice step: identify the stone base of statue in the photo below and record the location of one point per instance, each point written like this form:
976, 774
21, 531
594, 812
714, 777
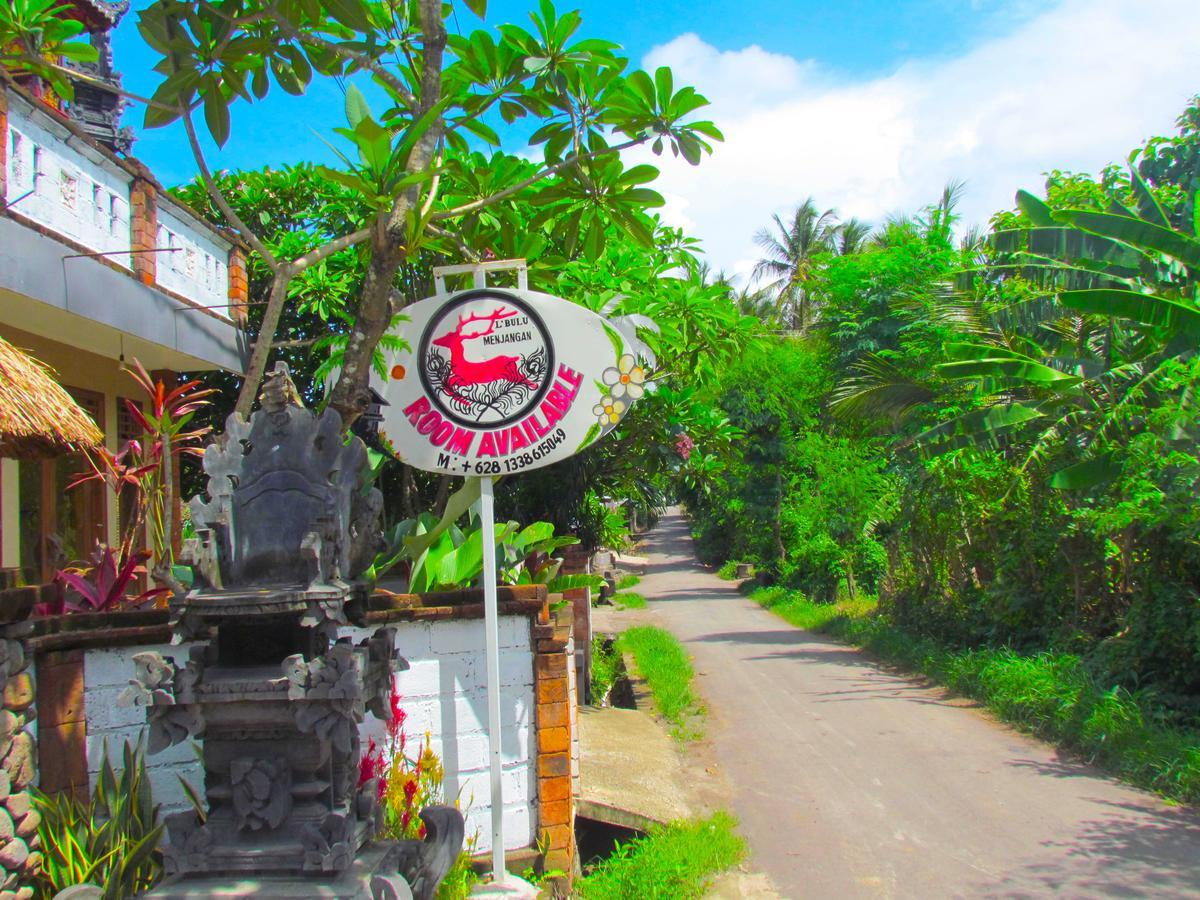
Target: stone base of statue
269, 688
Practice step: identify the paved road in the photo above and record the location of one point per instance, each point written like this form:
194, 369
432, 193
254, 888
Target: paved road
851, 781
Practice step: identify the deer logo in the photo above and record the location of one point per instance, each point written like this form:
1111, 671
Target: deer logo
464, 371
492, 390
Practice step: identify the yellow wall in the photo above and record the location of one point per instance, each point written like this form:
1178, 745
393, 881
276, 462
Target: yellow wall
10, 510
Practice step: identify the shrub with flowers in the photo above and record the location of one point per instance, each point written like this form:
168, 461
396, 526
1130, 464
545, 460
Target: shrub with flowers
406, 785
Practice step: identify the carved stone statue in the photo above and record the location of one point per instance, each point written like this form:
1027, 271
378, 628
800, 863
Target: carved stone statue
269, 687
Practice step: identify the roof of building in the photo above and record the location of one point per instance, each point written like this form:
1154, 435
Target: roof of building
37, 416
97, 15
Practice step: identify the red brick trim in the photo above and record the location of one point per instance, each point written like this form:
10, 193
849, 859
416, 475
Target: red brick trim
143, 226
3, 147
555, 723
239, 286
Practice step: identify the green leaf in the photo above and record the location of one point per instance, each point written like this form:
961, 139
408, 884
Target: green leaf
1137, 233
350, 13
985, 423
1037, 211
1148, 309
357, 108
216, 115
1007, 367
1086, 474
479, 7
592, 434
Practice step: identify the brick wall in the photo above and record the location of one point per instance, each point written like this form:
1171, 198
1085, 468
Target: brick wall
578, 562
556, 731
3, 145
143, 225
239, 286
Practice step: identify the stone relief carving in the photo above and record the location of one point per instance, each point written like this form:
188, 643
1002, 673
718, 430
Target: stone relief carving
189, 846
329, 847
261, 791
273, 691
168, 695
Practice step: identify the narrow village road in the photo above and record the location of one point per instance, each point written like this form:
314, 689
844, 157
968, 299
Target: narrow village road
851, 781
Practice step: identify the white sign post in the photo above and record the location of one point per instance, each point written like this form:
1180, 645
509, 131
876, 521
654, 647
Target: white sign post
497, 382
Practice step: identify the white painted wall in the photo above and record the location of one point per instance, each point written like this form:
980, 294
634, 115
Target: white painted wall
444, 693
106, 674
198, 267
60, 182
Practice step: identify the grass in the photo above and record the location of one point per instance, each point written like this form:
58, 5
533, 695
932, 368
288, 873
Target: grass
677, 862
1050, 694
605, 661
629, 600
625, 582
662, 661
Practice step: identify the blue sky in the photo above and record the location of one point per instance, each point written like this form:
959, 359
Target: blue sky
851, 40
868, 106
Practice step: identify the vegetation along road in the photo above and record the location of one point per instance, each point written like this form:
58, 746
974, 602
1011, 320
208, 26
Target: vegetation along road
852, 781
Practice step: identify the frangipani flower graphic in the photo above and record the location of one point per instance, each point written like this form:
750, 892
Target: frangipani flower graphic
626, 379
608, 411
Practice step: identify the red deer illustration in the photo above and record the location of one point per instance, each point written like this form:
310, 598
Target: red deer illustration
465, 372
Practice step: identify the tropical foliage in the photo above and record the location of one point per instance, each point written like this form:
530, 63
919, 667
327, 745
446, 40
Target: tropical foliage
997, 435
109, 839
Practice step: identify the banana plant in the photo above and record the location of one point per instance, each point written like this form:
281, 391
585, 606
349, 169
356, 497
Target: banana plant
1124, 292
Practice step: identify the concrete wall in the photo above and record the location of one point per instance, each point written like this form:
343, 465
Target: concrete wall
66, 185
197, 266
444, 693
106, 674
58, 180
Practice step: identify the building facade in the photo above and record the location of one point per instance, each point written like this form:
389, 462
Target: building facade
99, 266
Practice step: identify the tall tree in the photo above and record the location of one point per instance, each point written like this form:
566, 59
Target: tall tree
791, 250
440, 88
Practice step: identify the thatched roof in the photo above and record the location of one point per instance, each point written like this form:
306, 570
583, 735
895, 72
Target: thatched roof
37, 417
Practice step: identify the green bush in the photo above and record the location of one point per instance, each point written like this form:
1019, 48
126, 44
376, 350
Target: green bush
673, 863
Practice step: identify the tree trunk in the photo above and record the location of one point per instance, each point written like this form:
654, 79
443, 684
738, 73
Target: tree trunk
262, 346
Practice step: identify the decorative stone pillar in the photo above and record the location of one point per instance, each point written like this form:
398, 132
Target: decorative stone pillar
143, 224
20, 846
239, 286
555, 728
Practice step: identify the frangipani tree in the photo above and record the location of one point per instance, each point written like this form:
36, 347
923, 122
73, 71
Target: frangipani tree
444, 92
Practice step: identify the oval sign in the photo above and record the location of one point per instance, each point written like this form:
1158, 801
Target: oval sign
499, 381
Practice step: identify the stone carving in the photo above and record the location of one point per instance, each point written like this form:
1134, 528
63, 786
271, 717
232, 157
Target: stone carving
294, 478
262, 792
425, 863
190, 843
168, 694
274, 692
329, 847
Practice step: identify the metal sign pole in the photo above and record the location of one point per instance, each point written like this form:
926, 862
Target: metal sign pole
491, 629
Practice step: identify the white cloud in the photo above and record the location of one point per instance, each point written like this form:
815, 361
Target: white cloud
1074, 88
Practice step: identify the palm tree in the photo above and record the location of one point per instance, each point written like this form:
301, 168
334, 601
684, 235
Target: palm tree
791, 252
852, 236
